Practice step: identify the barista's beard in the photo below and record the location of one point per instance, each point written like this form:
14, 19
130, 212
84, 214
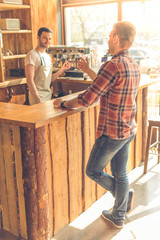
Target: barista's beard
42, 45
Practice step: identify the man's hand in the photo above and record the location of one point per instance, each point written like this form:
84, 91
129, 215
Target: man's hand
66, 65
69, 104
83, 64
57, 103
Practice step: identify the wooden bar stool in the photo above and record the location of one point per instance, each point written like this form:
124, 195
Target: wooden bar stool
153, 123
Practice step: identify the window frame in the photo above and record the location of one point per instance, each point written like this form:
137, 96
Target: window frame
69, 3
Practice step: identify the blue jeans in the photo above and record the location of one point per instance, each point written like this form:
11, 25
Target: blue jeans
107, 150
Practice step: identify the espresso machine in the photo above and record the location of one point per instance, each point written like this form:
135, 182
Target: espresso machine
59, 54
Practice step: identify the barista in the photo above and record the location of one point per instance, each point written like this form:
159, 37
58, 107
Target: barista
38, 68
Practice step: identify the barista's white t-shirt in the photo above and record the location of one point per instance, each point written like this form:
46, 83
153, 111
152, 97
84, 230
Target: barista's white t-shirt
33, 57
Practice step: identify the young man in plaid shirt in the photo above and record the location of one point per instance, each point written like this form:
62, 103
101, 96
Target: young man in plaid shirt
116, 85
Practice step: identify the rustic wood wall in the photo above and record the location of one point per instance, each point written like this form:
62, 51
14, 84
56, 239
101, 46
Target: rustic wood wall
11, 181
68, 143
44, 14
68, 153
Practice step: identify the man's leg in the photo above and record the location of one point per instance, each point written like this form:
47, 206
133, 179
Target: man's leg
119, 171
99, 158
104, 151
121, 194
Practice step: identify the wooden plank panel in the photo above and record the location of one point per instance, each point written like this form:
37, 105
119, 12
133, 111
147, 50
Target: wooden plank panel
25, 23
39, 10
144, 120
0, 210
131, 158
3, 188
138, 154
30, 181
26, 2
9, 42
100, 190
42, 184
22, 47
92, 128
92, 137
74, 138
10, 178
58, 150
35, 182
89, 186
16, 43
50, 178
19, 178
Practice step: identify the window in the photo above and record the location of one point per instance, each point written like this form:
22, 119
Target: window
90, 26
146, 49
147, 43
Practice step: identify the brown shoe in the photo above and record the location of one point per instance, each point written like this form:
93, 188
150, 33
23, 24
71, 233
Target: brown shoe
118, 223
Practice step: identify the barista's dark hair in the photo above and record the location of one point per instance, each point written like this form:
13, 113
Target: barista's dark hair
126, 32
43, 29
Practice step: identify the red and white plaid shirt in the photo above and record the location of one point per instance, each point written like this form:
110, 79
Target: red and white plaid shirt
116, 85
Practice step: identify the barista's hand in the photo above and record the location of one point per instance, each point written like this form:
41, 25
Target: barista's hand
83, 64
66, 65
57, 103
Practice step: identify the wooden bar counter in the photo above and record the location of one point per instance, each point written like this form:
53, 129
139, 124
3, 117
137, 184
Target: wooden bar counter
43, 155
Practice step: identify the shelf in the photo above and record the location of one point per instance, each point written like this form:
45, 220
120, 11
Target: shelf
12, 81
9, 6
14, 56
15, 31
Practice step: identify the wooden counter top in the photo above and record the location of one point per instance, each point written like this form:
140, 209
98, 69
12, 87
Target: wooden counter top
36, 115
43, 113
11, 82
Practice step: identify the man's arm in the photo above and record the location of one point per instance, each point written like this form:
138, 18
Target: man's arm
84, 66
30, 71
65, 67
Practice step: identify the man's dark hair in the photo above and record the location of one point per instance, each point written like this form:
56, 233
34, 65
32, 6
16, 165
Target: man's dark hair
43, 29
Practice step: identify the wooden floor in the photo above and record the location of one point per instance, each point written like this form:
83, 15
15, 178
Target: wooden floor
4, 235
143, 223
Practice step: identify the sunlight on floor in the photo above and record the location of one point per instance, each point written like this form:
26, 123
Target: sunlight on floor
138, 171
151, 227
94, 212
146, 178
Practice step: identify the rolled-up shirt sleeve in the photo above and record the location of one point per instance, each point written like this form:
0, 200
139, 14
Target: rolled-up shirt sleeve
101, 85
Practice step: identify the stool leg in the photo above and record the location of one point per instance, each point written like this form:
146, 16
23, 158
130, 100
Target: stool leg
147, 148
